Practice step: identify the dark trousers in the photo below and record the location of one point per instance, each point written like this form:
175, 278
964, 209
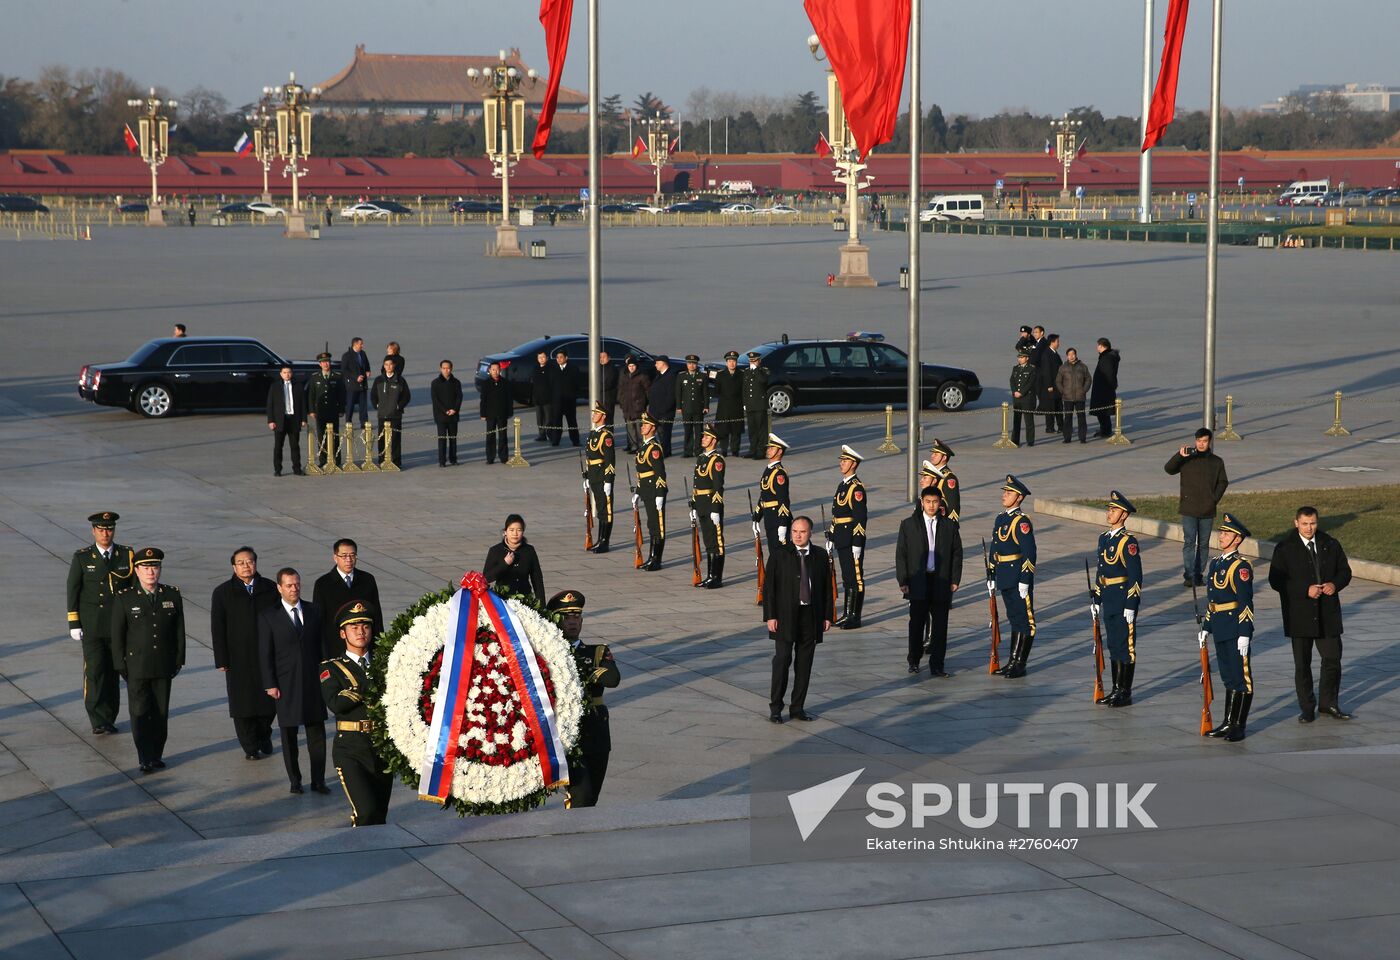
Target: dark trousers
290, 431
928, 617
801, 649
325, 446
367, 786
447, 440
102, 692
1020, 614
1235, 675
559, 414
1328, 688
1023, 410
1050, 406
148, 702
711, 532
1119, 635
852, 567
595, 740
694, 423
1103, 409
757, 423
395, 452
598, 490
357, 398
254, 733
665, 429
634, 433
315, 751
542, 421
771, 523
1070, 408
731, 433
656, 516
496, 441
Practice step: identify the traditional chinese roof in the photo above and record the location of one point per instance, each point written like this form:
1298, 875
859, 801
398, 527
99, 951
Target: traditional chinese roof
402, 78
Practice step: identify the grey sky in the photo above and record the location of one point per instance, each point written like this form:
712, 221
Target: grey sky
1047, 55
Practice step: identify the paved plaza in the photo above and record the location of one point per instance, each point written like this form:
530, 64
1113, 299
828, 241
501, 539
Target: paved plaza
212, 858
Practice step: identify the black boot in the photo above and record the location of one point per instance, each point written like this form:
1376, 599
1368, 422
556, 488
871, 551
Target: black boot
1015, 645
1022, 655
1236, 733
1124, 696
716, 574
1225, 723
852, 621
709, 573
1108, 697
654, 561
845, 609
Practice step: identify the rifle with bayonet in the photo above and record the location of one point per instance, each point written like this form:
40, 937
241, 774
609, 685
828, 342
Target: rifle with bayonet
587, 503
637, 560
1098, 635
994, 664
831, 565
694, 539
1207, 692
757, 552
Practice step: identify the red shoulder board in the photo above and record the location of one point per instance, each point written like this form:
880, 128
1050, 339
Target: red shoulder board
719, 464
1244, 573
859, 495
952, 483
325, 674
608, 441
782, 479
656, 454
1025, 527
1132, 549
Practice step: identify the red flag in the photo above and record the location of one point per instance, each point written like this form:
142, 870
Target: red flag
132, 143
1083, 149
638, 148
555, 17
823, 146
1164, 94
675, 144
867, 42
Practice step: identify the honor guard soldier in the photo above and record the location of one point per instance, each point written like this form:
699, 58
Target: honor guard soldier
325, 399
1117, 595
1230, 620
598, 671
651, 488
601, 459
774, 498
344, 686
1025, 387
693, 401
756, 403
729, 404
148, 646
96, 574
944, 479
1013, 571
848, 516
709, 506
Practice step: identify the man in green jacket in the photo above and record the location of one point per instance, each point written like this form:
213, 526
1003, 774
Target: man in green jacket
148, 647
96, 575
1203, 484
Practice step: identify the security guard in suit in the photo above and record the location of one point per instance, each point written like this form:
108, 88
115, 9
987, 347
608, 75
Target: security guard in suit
756, 403
937, 473
1230, 620
344, 686
708, 483
1013, 573
1025, 387
774, 498
325, 399
1117, 596
729, 404
693, 400
148, 648
95, 575
598, 670
600, 458
849, 510
651, 489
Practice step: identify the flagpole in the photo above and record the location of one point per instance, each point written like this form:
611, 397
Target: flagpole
913, 394
1213, 217
1145, 157
595, 258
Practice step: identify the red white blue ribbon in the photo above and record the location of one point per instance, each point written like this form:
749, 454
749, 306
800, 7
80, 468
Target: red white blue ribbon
534, 696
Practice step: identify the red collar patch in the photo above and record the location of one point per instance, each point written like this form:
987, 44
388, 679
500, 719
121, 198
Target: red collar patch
655, 454
859, 495
782, 479
1025, 527
1244, 574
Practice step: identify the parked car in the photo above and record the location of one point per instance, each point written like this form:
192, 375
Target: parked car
647, 208
518, 363
859, 370
188, 373
545, 209
737, 208
619, 208
373, 209
266, 209
250, 209
135, 206
776, 210
13, 203
474, 206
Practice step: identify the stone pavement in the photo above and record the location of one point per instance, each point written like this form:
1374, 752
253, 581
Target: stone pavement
222, 862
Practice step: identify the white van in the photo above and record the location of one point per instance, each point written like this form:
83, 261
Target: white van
1303, 193
953, 206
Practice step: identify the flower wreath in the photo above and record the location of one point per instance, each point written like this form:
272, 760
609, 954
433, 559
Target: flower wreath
496, 769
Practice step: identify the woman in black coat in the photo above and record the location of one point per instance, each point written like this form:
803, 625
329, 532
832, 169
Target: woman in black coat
1105, 386
513, 563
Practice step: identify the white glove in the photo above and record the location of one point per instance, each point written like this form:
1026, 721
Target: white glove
694, 518
991, 588
1130, 615
1094, 610
1242, 645
660, 504
1024, 589
782, 534
1201, 637
857, 551
607, 490
715, 519
636, 499
76, 633
585, 486
756, 531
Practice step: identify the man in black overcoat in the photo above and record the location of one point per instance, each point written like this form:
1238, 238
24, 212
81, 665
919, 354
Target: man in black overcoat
233, 628
338, 586
290, 654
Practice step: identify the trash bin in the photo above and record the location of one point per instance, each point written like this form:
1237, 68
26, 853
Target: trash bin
839, 224
315, 231
537, 250
904, 278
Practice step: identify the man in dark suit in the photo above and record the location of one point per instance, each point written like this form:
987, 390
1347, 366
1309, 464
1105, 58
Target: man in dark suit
341, 584
286, 415
609, 378
446, 393
290, 655
563, 399
496, 408
1310, 570
661, 402
797, 602
539, 394
233, 627
354, 370
928, 568
1048, 363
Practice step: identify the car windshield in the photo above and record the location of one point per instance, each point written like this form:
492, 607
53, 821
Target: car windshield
143, 352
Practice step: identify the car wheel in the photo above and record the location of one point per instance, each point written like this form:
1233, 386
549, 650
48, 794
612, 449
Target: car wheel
952, 396
154, 400
781, 401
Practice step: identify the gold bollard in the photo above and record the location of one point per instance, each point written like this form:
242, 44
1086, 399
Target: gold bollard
1118, 440
388, 465
312, 449
349, 449
889, 445
1337, 430
1003, 442
369, 465
1229, 432
331, 457
516, 460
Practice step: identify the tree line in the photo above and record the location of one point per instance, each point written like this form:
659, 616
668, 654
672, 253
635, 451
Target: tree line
83, 112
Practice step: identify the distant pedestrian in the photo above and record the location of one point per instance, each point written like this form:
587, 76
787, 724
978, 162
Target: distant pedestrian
564, 389
635, 392
608, 379
540, 394
729, 404
693, 401
1048, 365
179, 330
1072, 383
285, 418
1024, 340
1105, 386
391, 349
325, 400
390, 395
513, 564
495, 411
1025, 387
446, 393
192, 215
756, 404
661, 402
1203, 483
354, 370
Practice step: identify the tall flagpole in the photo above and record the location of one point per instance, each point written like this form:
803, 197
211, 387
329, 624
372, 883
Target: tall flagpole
913, 394
1213, 217
595, 258
1145, 158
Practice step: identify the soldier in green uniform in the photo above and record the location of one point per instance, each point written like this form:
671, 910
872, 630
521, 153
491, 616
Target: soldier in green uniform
944, 479
774, 511
325, 399
601, 461
1230, 620
756, 404
651, 490
598, 670
1025, 387
693, 401
344, 686
1117, 596
148, 647
708, 506
95, 575
729, 404
849, 509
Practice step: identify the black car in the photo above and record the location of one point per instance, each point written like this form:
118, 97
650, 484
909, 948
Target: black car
136, 206
189, 373
10, 203
518, 364
617, 208
861, 369
394, 207
474, 206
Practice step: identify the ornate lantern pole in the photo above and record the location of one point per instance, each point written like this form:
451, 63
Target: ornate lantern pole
293, 116
154, 137
503, 120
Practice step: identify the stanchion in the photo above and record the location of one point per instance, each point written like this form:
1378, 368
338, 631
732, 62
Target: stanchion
889, 445
313, 450
349, 443
386, 463
331, 456
1118, 440
369, 466
516, 460
1003, 442
1229, 432
1337, 430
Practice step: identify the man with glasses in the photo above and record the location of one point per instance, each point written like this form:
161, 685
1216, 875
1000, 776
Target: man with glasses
338, 587
233, 629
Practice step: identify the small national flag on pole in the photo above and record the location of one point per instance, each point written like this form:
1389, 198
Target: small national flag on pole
823, 146
638, 148
132, 143
243, 145
1083, 149
1047, 147
675, 144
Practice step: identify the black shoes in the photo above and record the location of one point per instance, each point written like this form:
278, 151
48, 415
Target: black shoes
100, 731
601, 547
804, 717
1335, 713
148, 768
1123, 696
654, 561
775, 718
1241, 718
296, 788
1307, 716
158, 764
1224, 727
913, 668
939, 674
1108, 697
320, 788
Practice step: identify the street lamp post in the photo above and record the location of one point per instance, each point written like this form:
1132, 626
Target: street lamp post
1066, 134
855, 256
293, 117
503, 120
154, 137
658, 148
264, 123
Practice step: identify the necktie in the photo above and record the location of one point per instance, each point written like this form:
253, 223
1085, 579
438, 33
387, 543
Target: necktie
250, 589
287, 389
804, 589
106, 555
932, 547
347, 581
1312, 552
296, 619
364, 663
